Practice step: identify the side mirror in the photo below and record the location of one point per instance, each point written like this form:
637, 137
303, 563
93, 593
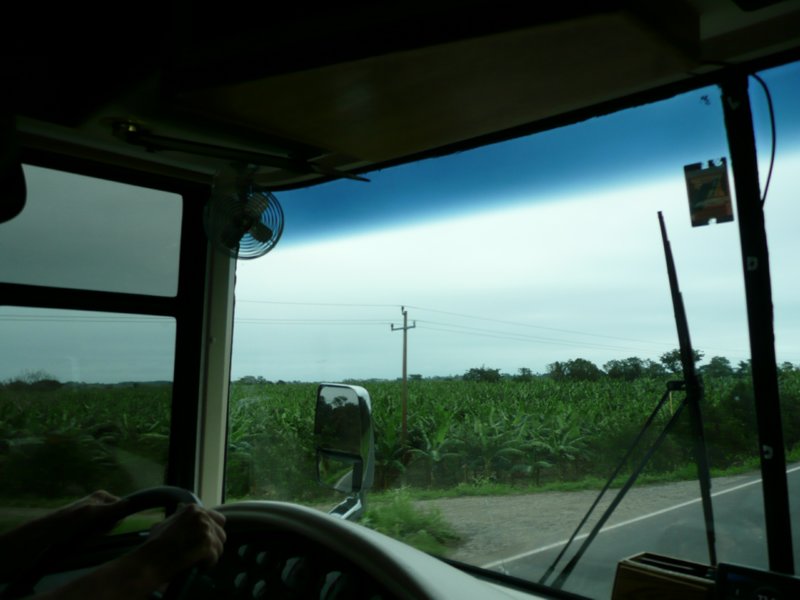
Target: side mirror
344, 442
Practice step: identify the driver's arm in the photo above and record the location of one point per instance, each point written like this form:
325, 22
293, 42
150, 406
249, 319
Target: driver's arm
95, 514
192, 536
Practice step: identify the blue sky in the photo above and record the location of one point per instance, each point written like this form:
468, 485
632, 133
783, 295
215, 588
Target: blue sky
580, 276
615, 149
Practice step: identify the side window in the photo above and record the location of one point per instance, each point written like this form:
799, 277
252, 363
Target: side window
88, 340
92, 234
84, 403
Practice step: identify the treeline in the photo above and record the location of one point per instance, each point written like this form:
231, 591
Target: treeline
627, 369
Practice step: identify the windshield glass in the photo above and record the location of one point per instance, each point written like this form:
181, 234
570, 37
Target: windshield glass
527, 283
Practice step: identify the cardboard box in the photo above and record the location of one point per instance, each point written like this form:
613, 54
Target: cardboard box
653, 577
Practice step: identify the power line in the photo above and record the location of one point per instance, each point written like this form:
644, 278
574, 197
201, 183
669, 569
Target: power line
456, 314
733, 356
520, 324
738, 352
491, 320
523, 338
266, 321
490, 333
443, 327
531, 337
84, 319
345, 304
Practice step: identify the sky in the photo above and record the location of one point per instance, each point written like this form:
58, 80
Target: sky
578, 276
516, 255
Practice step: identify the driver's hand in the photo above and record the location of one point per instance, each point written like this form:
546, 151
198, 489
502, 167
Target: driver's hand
97, 513
193, 536
93, 515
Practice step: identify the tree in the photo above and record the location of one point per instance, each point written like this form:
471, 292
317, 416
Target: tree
581, 369
718, 366
251, 380
525, 374
577, 369
41, 380
557, 371
786, 368
653, 369
627, 369
482, 374
672, 360
744, 367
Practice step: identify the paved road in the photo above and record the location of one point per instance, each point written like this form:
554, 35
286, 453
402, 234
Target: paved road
677, 531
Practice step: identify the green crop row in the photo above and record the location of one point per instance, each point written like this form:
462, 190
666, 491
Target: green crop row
67, 439
526, 432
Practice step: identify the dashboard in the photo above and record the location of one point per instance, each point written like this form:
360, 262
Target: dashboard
280, 550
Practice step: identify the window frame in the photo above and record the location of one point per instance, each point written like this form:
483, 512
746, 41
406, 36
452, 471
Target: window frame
186, 307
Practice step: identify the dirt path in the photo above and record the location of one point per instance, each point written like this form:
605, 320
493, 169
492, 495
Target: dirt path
496, 527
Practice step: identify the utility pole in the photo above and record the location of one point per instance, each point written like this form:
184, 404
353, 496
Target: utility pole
404, 328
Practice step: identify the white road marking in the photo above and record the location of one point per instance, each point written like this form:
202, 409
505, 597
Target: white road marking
581, 536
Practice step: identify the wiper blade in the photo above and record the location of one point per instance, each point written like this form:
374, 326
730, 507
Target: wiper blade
693, 389
607, 485
694, 396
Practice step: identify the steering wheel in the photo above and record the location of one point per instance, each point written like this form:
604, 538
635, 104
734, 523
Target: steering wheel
164, 496
167, 497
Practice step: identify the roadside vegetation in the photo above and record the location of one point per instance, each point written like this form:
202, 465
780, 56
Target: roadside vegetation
483, 432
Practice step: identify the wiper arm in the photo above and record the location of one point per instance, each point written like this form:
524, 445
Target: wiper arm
693, 389
567, 570
610, 481
694, 395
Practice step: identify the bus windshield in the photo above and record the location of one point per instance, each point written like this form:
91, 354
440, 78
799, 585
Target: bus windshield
526, 281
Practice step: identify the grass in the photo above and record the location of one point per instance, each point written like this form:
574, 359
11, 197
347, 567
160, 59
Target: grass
488, 488
394, 514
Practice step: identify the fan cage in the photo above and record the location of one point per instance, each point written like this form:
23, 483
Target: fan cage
224, 216
272, 217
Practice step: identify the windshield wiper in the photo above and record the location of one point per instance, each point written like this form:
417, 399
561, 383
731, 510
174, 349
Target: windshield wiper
693, 389
694, 396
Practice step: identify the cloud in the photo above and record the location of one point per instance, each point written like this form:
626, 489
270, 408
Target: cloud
540, 279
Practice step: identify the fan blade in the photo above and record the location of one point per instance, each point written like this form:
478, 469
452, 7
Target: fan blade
261, 232
254, 205
230, 237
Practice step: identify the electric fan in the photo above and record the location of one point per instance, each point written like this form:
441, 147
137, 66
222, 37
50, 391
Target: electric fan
241, 218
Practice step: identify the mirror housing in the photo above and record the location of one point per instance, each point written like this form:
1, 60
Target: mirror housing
344, 443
